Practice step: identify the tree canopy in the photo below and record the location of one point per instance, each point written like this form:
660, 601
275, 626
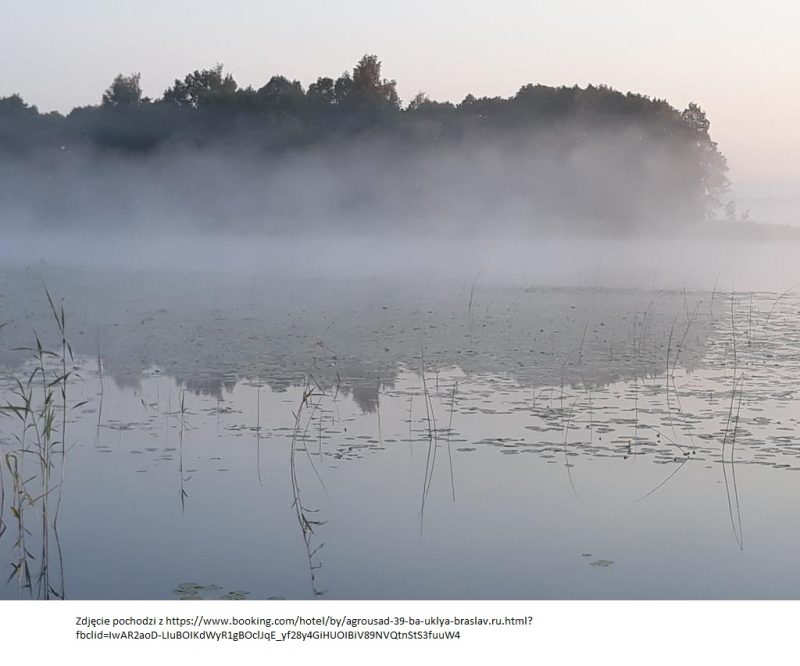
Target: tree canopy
590, 143
124, 91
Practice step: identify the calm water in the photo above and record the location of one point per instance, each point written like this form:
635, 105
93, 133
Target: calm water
255, 438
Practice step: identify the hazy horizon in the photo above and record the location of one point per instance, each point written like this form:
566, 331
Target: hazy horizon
736, 60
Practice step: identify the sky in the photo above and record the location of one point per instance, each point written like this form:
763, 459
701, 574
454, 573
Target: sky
739, 60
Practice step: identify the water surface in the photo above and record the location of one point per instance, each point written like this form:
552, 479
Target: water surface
256, 438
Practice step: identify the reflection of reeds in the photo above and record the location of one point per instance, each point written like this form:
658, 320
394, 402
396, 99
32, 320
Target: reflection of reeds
682, 449
671, 387
258, 434
378, 406
730, 436
100, 405
449, 432
665, 481
184, 480
667, 374
733, 336
635, 415
3, 526
733, 500
567, 463
306, 522
590, 408
430, 461
410, 424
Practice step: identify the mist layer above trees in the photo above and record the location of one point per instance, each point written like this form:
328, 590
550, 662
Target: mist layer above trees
346, 153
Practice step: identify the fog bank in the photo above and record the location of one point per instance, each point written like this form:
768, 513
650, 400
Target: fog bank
654, 263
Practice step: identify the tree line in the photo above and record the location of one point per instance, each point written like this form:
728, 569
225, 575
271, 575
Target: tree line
664, 154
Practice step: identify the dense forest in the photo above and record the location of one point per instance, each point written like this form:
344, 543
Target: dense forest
347, 151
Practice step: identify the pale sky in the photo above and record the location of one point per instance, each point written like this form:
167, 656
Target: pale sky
739, 60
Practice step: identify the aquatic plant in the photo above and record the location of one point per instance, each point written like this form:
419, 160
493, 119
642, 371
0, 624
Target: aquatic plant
37, 463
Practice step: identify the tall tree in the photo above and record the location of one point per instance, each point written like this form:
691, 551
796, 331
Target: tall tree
281, 96
365, 90
321, 93
124, 91
708, 158
14, 106
202, 89
368, 86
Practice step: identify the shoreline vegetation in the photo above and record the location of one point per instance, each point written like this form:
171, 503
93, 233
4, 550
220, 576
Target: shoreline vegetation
347, 153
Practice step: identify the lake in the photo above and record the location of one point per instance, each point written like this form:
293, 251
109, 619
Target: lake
247, 436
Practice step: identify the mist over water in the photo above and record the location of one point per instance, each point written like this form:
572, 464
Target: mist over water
585, 207
639, 263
